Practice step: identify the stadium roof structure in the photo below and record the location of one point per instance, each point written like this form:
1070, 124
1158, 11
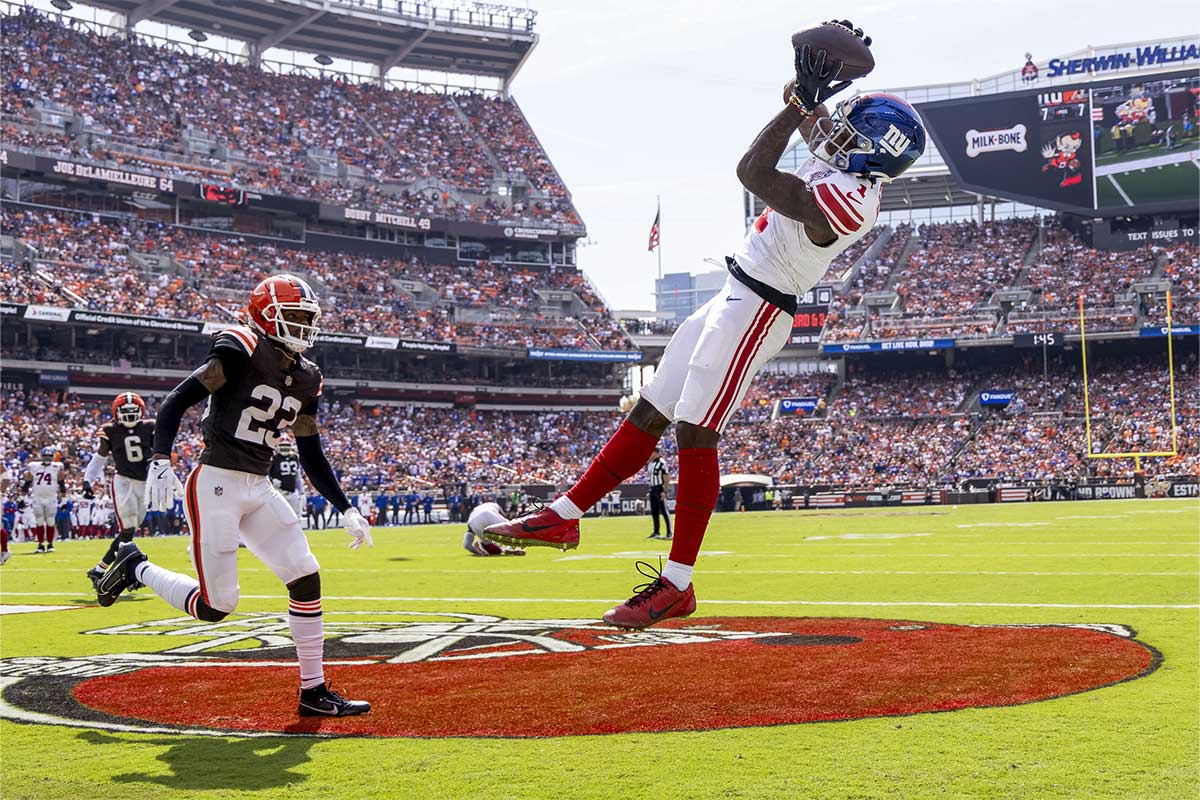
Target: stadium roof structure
454, 36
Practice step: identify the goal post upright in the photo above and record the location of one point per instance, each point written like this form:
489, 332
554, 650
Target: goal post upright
1087, 407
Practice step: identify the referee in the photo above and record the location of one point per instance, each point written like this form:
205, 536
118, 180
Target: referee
660, 481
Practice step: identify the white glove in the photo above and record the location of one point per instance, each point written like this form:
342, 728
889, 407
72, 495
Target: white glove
357, 527
177, 489
160, 485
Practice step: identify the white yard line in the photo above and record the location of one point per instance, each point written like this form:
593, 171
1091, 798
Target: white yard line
601, 601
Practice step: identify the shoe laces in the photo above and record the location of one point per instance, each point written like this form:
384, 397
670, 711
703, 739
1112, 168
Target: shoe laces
644, 591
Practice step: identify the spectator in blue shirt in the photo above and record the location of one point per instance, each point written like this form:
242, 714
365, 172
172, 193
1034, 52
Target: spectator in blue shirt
427, 505
410, 507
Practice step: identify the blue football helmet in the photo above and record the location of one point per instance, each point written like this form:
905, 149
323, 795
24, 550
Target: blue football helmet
48, 454
874, 135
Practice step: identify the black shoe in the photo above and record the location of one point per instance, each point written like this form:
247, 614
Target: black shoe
668, 537
323, 701
50, 549
94, 575
40, 550
653, 536
119, 576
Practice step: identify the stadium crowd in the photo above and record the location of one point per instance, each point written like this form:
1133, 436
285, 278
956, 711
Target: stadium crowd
86, 260
396, 150
879, 429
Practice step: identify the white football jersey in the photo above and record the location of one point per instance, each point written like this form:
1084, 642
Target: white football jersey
483, 515
45, 479
777, 250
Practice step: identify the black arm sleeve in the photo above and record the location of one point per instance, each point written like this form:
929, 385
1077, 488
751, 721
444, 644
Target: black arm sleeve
320, 474
166, 422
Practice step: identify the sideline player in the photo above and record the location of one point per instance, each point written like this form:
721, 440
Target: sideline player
476, 542
285, 476
811, 217
45, 483
126, 440
8, 515
257, 384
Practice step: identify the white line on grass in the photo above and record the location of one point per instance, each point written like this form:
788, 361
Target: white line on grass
880, 603
569, 571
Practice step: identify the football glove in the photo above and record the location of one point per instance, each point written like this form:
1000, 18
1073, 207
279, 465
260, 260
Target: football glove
848, 25
815, 76
162, 486
357, 528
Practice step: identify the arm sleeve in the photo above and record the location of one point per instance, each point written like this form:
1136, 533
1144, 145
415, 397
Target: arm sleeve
95, 468
166, 423
844, 215
319, 472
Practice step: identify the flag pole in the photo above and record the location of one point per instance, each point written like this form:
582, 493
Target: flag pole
659, 248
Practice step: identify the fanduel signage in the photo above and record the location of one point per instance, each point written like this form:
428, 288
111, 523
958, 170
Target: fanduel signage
1147, 56
797, 405
995, 398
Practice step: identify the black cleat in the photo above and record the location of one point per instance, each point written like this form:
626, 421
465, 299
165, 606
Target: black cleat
119, 576
94, 575
323, 701
50, 549
40, 550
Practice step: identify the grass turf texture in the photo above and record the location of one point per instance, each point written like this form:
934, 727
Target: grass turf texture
1151, 185
1131, 740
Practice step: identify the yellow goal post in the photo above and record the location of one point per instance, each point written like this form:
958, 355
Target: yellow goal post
1087, 407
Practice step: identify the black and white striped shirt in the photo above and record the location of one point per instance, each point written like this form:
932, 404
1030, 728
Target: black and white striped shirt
658, 473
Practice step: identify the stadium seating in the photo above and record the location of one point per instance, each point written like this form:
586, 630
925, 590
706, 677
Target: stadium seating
90, 258
400, 150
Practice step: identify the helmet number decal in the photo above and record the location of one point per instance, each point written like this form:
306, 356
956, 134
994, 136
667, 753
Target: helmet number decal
261, 425
133, 448
894, 141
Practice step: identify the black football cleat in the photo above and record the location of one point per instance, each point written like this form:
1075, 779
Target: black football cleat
120, 576
323, 701
94, 575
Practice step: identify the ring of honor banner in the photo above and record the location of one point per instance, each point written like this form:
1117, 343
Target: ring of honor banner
1109, 145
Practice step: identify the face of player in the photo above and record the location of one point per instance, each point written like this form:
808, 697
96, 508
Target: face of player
297, 317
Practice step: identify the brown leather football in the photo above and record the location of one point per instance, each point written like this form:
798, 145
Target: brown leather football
841, 45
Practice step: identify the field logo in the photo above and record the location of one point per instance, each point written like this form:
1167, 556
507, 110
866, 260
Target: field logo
994, 141
454, 674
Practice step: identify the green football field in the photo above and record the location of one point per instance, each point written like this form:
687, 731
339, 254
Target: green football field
898, 653
1150, 185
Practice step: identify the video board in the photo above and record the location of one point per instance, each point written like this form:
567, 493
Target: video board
1109, 146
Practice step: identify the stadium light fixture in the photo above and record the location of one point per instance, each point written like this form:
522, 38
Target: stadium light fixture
61, 5
323, 59
197, 36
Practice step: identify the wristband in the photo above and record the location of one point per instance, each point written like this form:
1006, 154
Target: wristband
795, 102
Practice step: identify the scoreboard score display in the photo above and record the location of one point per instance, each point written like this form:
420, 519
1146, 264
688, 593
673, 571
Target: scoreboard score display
1105, 146
811, 312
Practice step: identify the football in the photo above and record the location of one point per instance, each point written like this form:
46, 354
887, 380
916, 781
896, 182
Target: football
841, 45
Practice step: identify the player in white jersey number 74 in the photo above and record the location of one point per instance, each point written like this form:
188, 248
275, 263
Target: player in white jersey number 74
812, 215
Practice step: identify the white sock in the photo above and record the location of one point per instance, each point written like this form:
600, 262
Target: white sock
678, 574
565, 508
173, 587
308, 632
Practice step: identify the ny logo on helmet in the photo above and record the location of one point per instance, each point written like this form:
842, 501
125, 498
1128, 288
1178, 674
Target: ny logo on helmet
894, 141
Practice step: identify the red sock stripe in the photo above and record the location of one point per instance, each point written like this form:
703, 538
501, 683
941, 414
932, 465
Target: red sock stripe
192, 507
308, 606
737, 368
112, 492
746, 376
191, 602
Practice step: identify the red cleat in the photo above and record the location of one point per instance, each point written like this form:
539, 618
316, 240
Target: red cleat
543, 528
652, 603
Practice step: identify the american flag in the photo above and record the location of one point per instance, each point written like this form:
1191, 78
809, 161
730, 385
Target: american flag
654, 232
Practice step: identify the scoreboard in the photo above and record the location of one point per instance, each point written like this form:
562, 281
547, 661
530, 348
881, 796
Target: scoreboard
1110, 146
811, 312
